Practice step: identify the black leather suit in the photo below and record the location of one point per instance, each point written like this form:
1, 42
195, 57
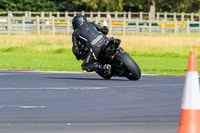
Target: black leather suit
93, 36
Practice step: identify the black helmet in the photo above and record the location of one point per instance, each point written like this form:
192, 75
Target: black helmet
77, 20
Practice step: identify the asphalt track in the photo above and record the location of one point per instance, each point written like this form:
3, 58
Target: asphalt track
60, 102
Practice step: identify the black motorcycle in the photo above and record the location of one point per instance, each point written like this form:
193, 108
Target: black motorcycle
122, 65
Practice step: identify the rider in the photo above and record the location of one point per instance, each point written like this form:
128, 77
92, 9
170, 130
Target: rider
88, 33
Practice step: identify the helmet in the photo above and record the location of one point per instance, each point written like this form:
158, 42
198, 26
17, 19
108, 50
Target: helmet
77, 20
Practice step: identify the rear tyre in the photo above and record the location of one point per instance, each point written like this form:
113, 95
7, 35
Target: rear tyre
103, 75
132, 69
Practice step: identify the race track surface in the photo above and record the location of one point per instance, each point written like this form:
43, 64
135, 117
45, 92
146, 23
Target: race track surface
64, 102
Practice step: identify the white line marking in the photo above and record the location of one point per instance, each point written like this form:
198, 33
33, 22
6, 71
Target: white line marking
41, 72
170, 85
91, 88
22, 107
27, 107
70, 72
67, 88
4, 74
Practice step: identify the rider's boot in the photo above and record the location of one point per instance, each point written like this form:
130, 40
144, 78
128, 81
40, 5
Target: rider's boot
106, 68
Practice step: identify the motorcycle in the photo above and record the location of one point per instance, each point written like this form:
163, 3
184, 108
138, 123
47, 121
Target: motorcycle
122, 65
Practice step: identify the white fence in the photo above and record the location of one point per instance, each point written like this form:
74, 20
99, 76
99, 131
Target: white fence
118, 22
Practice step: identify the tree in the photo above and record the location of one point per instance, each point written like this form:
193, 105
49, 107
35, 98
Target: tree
152, 7
4, 6
103, 5
177, 5
27, 5
69, 5
152, 4
189, 6
136, 5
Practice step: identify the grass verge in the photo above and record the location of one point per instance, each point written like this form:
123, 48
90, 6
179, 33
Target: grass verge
156, 54
67, 62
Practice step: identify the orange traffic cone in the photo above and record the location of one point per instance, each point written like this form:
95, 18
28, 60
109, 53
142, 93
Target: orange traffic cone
190, 114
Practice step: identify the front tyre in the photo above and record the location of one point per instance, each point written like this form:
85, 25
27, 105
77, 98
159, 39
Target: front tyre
132, 69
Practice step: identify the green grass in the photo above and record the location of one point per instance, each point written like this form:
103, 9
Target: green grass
39, 61
65, 61
156, 54
162, 65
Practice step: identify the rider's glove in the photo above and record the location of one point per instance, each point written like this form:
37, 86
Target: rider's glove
117, 41
105, 30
